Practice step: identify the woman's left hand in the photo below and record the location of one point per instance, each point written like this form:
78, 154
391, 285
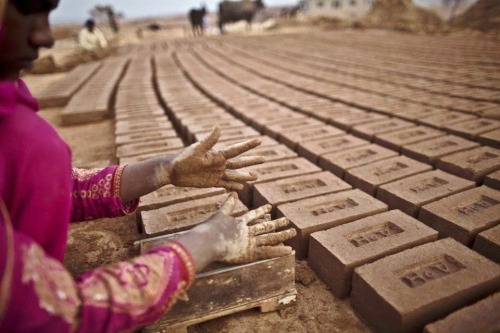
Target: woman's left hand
200, 166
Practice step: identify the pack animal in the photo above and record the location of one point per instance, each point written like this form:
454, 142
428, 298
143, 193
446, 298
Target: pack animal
234, 11
196, 17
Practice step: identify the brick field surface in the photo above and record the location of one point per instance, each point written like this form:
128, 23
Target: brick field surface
353, 124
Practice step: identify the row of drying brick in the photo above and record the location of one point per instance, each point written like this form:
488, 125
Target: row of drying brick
487, 131
378, 77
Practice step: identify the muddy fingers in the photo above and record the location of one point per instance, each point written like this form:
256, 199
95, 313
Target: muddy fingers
255, 214
268, 252
244, 161
238, 176
240, 148
265, 227
275, 238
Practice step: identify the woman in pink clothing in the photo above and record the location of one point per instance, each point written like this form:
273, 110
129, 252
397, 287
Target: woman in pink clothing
40, 194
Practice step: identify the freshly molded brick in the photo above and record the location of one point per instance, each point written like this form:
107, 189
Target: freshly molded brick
488, 243
463, 215
395, 140
407, 290
325, 212
336, 252
313, 149
409, 194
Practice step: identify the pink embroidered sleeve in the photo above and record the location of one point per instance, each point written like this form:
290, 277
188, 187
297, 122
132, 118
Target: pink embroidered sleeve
38, 294
97, 193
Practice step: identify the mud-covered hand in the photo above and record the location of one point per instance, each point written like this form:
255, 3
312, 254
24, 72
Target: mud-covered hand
200, 166
251, 237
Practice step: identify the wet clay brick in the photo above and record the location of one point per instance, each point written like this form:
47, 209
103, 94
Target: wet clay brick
145, 136
141, 128
471, 164
265, 118
313, 149
493, 180
134, 149
291, 125
272, 153
336, 252
429, 151
325, 212
463, 215
293, 138
348, 121
488, 243
266, 141
490, 138
242, 133
369, 131
185, 215
297, 188
145, 156
472, 129
407, 290
395, 140
273, 171
409, 194
227, 125
340, 162
369, 177
478, 317
170, 194
447, 118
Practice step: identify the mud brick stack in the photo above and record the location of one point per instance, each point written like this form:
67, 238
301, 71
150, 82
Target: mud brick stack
93, 101
413, 133
60, 92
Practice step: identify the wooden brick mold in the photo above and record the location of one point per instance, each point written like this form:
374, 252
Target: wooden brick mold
430, 150
369, 131
340, 162
478, 317
369, 177
488, 243
297, 188
293, 138
493, 180
407, 290
409, 194
312, 150
462, 216
471, 164
183, 216
336, 252
325, 212
273, 171
170, 195
395, 140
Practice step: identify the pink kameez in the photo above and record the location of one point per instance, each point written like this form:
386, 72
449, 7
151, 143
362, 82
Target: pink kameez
39, 195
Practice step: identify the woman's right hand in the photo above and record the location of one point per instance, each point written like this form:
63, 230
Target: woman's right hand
249, 237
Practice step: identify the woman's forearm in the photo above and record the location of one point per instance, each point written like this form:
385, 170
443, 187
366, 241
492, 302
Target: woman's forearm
144, 177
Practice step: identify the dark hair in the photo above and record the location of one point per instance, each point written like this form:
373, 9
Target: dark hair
90, 23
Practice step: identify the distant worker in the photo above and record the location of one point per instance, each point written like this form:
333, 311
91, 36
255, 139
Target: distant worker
91, 38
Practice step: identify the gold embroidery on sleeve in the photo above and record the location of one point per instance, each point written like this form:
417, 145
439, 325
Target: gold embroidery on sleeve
117, 186
54, 286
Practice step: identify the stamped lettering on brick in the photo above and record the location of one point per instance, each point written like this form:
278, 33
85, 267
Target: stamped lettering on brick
332, 206
313, 133
335, 143
301, 186
268, 152
429, 270
276, 169
191, 213
426, 184
372, 234
443, 144
481, 157
384, 170
476, 125
478, 205
410, 134
360, 155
